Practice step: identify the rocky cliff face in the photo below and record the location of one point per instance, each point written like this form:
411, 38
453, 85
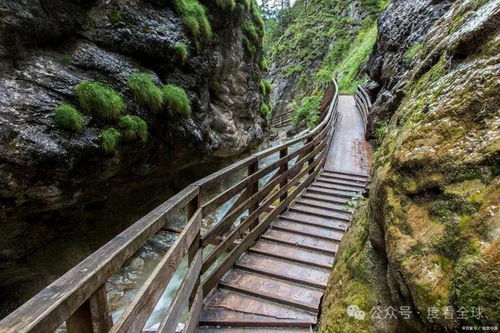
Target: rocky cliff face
432, 211
56, 183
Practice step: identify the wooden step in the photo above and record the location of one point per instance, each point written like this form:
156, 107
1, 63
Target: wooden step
293, 253
315, 220
252, 330
335, 193
345, 174
337, 181
350, 179
325, 198
332, 185
306, 242
308, 230
285, 270
325, 213
342, 208
272, 289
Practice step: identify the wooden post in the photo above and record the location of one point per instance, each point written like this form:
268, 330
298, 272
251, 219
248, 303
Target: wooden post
254, 188
283, 169
309, 162
192, 207
92, 316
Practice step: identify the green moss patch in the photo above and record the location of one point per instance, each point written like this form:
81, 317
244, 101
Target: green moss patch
100, 100
307, 109
145, 91
133, 128
110, 138
412, 51
226, 4
177, 100
68, 118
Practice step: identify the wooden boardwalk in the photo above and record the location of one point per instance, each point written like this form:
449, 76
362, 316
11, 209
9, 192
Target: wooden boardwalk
269, 256
278, 284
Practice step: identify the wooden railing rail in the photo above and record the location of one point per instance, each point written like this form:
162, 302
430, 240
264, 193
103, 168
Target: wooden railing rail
281, 120
363, 104
79, 296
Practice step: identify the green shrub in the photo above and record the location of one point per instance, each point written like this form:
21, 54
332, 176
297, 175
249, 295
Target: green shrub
308, 110
110, 139
133, 128
182, 52
265, 87
412, 51
99, 100
68, 118
194, 16
145, 91
265, 110
226, 4
177, 100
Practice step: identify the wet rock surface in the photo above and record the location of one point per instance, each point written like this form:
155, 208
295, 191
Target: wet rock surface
59, 188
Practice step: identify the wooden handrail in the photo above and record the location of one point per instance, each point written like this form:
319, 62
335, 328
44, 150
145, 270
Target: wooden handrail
79, 296
363, 104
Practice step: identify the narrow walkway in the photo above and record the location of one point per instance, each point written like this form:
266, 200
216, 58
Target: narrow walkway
349, 151
278, 284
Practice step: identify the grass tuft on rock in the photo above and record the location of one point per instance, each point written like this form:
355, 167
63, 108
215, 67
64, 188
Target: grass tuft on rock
194, 16
263, 64
265, 87
412, 52
68, 118
181, 51
100, 100
109, 139
133, 128
177, 100
308, 110
226, 4
145, 91
265, 110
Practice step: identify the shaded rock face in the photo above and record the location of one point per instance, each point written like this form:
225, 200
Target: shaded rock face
54, 183
434, 198
403, 26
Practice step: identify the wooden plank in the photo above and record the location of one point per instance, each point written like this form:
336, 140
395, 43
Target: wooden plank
308, 230
337, 181
172, 317
305, 202
352, 175
307, 242
345, 217
253, 330
351, 188
194, 313
47, 310
292, 253
325, 198
286, 270
219, 317
272, 289
345, 178
137, 313
336, 193
231, 300
314, 220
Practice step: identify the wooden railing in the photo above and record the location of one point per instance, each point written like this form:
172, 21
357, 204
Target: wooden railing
79, 296
281, 120
363, 104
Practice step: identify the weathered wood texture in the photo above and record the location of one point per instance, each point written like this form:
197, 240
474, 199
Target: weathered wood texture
79, 298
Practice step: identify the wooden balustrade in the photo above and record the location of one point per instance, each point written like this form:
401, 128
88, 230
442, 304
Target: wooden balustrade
79, 296
363, 104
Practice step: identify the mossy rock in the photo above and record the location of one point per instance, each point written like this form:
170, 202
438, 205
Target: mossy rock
177, 100
145, 91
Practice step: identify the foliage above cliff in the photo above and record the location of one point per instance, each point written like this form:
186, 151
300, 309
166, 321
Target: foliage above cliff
321, 39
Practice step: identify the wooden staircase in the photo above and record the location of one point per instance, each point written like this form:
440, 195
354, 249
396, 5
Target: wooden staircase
277, 285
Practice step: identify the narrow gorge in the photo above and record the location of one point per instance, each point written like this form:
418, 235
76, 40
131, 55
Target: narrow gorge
108, 108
